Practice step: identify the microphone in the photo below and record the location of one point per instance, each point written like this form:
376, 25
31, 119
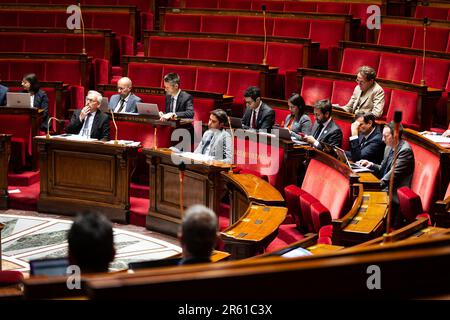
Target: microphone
181, 169
397, 121
115, 126
82, 29
426, 22
47, 136
264, 62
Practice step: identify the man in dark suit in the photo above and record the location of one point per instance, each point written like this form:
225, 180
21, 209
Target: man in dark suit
125, 101
198, 234
3, 91
366, 140
90, 121
324, 130
258, 115
404, 167
178, 103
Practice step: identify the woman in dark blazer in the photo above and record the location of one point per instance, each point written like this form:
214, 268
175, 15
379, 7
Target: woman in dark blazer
297, 122
38, 98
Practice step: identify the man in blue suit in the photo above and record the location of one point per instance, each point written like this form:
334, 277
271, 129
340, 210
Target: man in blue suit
125, 100
3, 91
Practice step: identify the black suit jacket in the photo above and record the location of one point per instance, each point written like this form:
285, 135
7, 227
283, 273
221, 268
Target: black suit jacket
372, 149
41, 102
265, 120
100, 126
185, 105
332, 134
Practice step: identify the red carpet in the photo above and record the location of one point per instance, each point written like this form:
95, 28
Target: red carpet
23, 179
26, 199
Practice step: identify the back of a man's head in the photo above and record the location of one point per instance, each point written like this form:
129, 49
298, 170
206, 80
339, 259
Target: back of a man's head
91, 243
198, 232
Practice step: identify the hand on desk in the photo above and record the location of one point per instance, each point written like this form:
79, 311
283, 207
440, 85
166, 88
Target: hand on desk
310, 139
167, 116
446, 133
364, 163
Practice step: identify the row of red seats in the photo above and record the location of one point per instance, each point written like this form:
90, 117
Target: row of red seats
286, 56
327, 32
142, 5
432, 12
438, 39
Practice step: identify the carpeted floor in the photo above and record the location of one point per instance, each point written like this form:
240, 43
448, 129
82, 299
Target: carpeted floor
30, 235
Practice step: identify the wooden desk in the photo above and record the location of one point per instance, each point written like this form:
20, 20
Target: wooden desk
246, 188
369, 181
78, 176
5, 153
253, 231
201, 186
35, 117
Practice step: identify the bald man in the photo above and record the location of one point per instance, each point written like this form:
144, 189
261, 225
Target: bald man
125, 101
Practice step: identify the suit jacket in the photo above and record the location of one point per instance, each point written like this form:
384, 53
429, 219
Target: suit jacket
372, 149
3, 91
131, 103
265, 120
185, 106
370, 101
41, 102
220, 145
332, 134
302, 125
100, 126
404, 168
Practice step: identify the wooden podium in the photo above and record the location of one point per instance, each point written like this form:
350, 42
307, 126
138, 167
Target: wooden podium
202, 185
82, 176
5, 153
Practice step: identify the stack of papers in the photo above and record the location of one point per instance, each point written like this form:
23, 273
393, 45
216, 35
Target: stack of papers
437, 138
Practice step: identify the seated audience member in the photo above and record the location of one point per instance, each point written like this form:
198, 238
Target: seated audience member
368, 96
258, 115
3, 91
91, 243
404, 167
366, 139
216, 141
90, 121
297, 122
125, 101
324, 130
179, 104
38, 98
198, 234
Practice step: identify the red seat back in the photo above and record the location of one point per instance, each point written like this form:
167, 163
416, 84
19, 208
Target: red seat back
297, 6
188, 75
288, 57
201, 3
436, 72
342, 91
352, 59
396, 67
320, 216
219, 24
246, 52
19, 126
436, 39
144, 74
333, 7
212, 79
407, 103
270, 5
165, 47
235, 4
327, 32
389, 35
240, 80
314, 89
296, 28
346, 132
254, 25
208, 49
182, 22
431, 12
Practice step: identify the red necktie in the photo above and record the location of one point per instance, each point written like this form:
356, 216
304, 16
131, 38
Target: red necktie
253, 119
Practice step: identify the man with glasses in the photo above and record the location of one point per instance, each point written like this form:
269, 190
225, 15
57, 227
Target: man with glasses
179, 103
258, 115
125, 100
368, 96
90, 122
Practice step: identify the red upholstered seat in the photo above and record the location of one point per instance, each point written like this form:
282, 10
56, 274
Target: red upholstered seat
246, 52
292, 195
352, 59
431, 12
326, 231
10, 277
182, 22
436, 39
240, 80
389, 35
396, 67
289, 233
219, 24
208, 49
270, 5
342, 91
410, 204
314, 89
144, 74
333, 7
254, 25
188, 75
235, 4
201, 3
407, 103
436, 72
387, 101
346, 132
294, 6
328, 33
165, 47
280, 116
320, 216
212, 79
324, 240
306, 201
203, 107
297, 28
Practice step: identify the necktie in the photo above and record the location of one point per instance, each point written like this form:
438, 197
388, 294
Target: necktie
207, 143
253, 119
172, 104
318, 131
85, 131
122, 104
363, 141
388, 163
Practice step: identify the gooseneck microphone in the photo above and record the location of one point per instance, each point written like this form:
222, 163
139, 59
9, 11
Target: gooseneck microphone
82, 29
47, 136
115, 126
263, 8
426, 22
181, 169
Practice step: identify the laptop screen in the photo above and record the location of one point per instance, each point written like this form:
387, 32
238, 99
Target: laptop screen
49, 267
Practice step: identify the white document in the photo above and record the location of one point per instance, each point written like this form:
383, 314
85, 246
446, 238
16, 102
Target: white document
437, 138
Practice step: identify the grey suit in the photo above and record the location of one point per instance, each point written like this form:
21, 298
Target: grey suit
3, 91
131, 103
404, 168
219, 145
302, 125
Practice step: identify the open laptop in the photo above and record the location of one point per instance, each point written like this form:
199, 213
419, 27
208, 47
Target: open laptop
342, 156
235, 123
150, 109
104, 105
49, 267
18, 100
